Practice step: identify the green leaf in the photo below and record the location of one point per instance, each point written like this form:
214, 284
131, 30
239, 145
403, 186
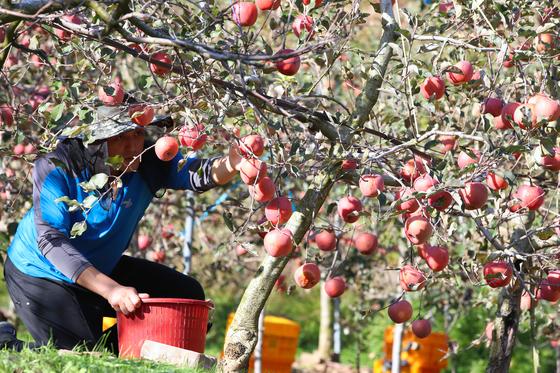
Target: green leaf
99, 180
78, 229
115, 161
57, 112
227, 220
33, 42
89, 201
72, 203
181, 164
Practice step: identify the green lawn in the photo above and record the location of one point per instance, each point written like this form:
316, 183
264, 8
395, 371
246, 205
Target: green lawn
48, 359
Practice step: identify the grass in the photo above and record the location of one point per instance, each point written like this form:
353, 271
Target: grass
48, 359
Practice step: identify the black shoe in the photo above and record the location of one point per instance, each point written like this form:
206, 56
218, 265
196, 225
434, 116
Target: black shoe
8, 337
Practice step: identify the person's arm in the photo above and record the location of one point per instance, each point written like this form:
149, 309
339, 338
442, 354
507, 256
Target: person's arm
123, 299
192, 173
224, 169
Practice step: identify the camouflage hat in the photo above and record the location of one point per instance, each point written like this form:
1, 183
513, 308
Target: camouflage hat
114, 120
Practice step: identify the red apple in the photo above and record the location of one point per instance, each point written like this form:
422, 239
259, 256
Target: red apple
546, 42
440, 200
525, 114
251, 145
421, 328
500, 124
424, 183
349, 209
474, 195
409, 203
422, 249
113, 95
335, 287
288, 66
144, 241
252, 170
366, 243
464, 76
418, 229
267, 4
19, 149
531, 197
413, 168
307, 275
158, 256
411, 279
496, 182
497, 274
317, 3
463, 160
433, 87
528, 301
167, 231
303, 23
240, 250
371, 185
263, 190
436, 257
279, 210
6, 115
400, 311
193, 136
29, 149
546, 108
166, 148
64, 35
349, 164
160, 57
141, 114
278, 242
447, 142
508, 112
492, 106
325, 240
244, 13
280, 285
550, 162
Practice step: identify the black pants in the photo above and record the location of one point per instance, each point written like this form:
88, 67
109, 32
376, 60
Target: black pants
71, 315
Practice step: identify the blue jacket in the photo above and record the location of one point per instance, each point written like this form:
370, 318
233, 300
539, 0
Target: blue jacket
42, 246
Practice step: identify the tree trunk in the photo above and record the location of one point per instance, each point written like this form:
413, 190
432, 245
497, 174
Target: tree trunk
506, 323
505, 330
325, 329
242, 334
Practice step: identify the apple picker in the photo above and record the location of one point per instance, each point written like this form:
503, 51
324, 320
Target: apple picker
62, 286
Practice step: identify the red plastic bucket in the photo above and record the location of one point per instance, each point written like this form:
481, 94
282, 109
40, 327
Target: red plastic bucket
174, 321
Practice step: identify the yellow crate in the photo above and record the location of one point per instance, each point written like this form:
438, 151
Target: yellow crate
424, 355
279, 344
108, 322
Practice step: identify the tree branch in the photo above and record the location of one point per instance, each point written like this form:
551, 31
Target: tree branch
369, 95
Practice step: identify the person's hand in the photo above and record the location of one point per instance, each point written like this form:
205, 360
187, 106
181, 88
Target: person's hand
125, 299
234, 157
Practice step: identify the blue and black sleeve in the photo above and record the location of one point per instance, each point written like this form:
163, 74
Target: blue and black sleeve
53, 220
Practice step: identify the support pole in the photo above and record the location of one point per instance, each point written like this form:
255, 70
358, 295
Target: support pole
258, 347
189, 227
